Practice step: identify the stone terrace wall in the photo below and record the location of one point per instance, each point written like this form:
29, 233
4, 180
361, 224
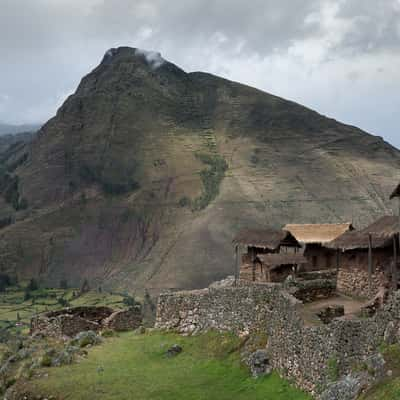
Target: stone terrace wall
302, 353
354, 282
310, 290
237, 309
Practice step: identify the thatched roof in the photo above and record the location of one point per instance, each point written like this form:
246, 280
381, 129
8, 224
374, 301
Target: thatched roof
282, 259
269, 239
396, 192
381, 231
317, 233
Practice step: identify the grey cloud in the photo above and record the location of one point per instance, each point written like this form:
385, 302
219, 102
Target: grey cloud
376, 25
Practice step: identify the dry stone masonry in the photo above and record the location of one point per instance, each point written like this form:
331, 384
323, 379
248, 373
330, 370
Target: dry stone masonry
70, 321
313, 356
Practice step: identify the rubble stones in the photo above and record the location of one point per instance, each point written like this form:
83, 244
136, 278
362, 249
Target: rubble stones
174, 350
328, 314
347, 388
86, 338
259, 364
229, 281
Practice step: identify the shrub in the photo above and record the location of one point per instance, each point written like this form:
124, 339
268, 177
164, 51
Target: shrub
32, 285
46, 360
184, 201
63, 302
129, 301
85, 287
211, 178
5, 281
333, 369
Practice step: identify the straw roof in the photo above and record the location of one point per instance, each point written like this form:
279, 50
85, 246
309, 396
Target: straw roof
396, 192
270, 239
318, 233
381, 231
282, 259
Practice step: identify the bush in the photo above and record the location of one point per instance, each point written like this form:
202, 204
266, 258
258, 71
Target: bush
184, 201
5, 281
46, 360
63, 302
85, 338
27, 295
85, 287
33, 285
129, 301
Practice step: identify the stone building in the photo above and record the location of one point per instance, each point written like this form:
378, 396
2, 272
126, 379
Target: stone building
254, 244
367, 258
313, 238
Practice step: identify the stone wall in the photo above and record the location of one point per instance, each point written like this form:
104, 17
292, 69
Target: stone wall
70, 321
237, 309
298, 351
310, 290
123, 320
354, 282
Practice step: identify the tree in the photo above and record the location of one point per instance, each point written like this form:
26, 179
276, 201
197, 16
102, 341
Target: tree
33, 285
63, 302
4, 281
129, 301
85, 287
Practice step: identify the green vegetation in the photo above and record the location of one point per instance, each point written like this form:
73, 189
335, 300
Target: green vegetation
333, 369
211, 178
16, 309
135, 366
389, 388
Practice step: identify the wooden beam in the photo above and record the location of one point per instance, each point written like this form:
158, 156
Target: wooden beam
237, 267
370, 264
337, 261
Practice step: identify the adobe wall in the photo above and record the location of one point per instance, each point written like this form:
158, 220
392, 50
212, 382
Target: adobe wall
299, 352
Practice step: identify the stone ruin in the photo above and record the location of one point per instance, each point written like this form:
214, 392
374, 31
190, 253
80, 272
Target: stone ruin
296, 349
69, 322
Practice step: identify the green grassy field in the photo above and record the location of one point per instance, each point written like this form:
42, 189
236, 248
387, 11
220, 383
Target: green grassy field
135, 367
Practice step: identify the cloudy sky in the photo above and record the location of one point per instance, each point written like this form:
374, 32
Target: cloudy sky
340, 57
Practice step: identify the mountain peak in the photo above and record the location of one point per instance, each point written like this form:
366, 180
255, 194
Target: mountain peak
152, 58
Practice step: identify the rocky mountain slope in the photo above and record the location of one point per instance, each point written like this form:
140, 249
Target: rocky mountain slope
146, 172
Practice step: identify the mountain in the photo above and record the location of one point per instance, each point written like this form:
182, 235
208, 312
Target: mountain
7, 129
146, 173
